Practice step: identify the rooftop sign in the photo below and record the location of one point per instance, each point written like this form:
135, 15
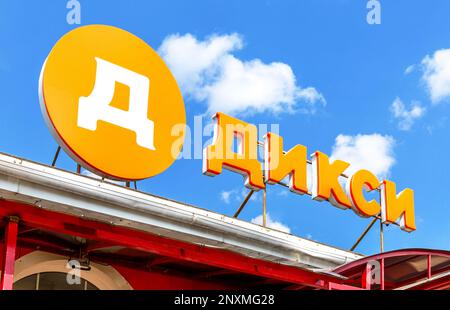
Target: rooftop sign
111, 102
113, 105
326, 183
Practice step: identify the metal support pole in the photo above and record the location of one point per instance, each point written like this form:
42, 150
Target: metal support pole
246, 199
127, 184
78, 168
264, 211
264, 208
363, 234
135, 185
381, 237
382, 274
56, 156
9, 253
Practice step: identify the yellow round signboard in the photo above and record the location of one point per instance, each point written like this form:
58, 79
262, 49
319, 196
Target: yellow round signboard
112, 103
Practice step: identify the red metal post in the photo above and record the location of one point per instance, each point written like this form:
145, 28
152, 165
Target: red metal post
382, 274
429, 266
9, 253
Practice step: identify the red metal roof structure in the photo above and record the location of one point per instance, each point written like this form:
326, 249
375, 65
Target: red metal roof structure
66, 235
150, 242
408, 269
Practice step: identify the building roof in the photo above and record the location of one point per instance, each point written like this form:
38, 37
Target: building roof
62, 191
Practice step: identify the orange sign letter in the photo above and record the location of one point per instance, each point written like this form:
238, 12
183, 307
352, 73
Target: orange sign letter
394, 207
278, 165
359, 181
220, 153
326, 184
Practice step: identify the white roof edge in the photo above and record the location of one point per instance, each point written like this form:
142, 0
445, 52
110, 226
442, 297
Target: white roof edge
75, 194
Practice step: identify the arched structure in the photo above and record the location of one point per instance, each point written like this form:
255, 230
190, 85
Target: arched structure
102, 276
400, 270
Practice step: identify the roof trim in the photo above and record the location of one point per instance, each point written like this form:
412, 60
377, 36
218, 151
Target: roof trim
62, 191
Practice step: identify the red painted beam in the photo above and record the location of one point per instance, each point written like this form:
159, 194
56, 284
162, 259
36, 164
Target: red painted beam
157, 261
366, 277
216, 273
421, 276
62, 223
437, 284
343, 287
50, 245
9, 253
97, 246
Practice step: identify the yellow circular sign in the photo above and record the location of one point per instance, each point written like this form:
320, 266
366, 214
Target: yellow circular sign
111, 103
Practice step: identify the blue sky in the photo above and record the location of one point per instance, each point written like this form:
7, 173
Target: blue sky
358, 69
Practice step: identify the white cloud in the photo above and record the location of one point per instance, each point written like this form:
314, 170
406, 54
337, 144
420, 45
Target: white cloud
437, 75
410, 69
208, 72
283, 192
405, 117
271, 223
236, 195
372, 152
193, 62
225, 196
311, 95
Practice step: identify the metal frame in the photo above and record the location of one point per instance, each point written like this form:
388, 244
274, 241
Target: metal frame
436, 281
9, 253
389, 254
55, 158
241, 207
363, 234
264, 199
172, 249
309, 162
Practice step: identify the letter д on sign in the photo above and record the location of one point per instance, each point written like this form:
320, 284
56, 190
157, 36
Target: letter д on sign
111, 102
